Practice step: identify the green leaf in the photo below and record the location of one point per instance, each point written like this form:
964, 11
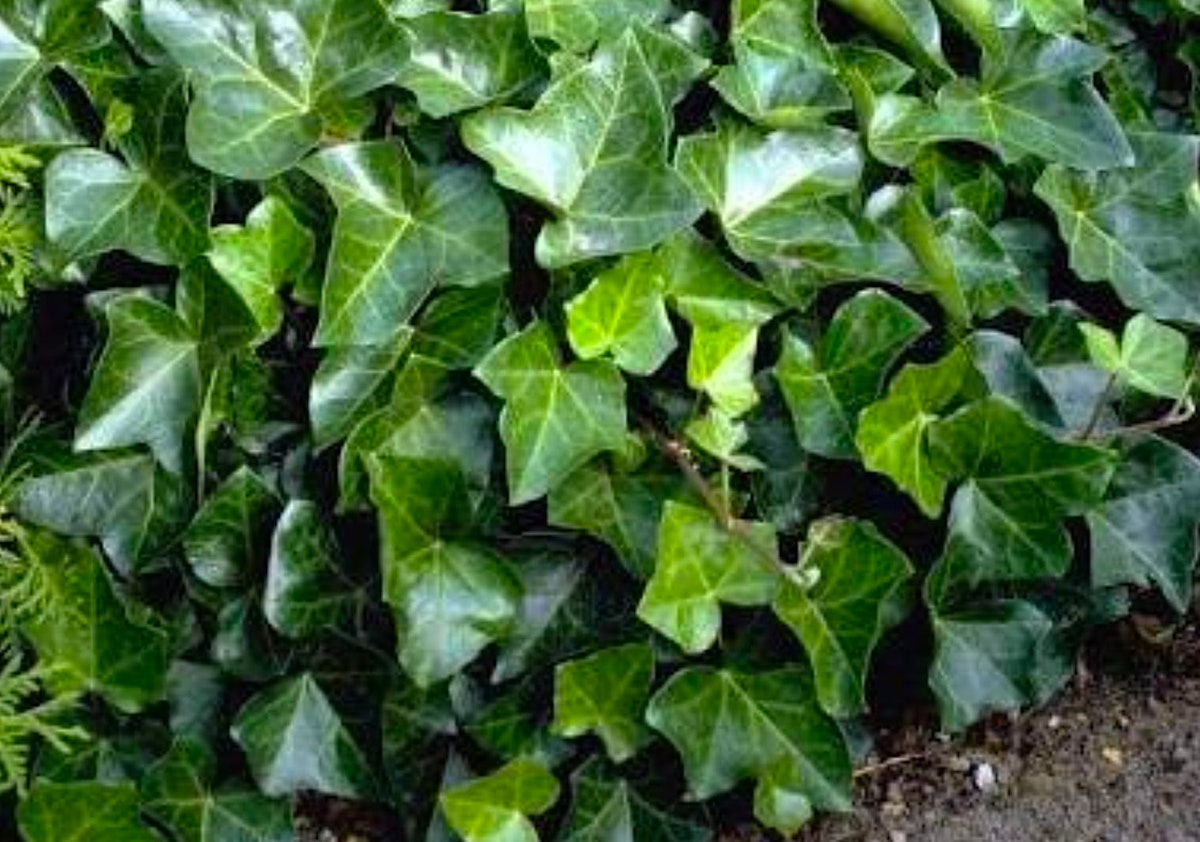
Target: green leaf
89, 641
178, 791
594, 149
605, 807
128, 501
723, 437
306, 590
701, 564
578, 24
765, 187
893, 433
623, 313
850, 587
912, 24
400, 233
556, 417
460, 326
1151, 357
459, 62
451, 597
605, 693
351, 383
1135, 228
88, 811
272, 249
227, 538
152, 203
729, 726
827, 386
294, 740
269, 78
1145, 532
146, 387
496, 808
1052, 113
1056, 16
998, 656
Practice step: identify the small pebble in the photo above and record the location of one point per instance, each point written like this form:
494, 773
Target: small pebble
1054, 722
1114, 756
984, 777
897, 836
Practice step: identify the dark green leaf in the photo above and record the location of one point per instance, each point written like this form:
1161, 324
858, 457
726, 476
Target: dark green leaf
605, 693
226, 540
605, 808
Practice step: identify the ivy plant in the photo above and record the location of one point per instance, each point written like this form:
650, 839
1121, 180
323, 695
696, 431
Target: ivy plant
542, 418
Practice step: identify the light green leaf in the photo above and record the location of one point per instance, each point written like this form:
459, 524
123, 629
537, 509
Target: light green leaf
458, 62
700, 565
295, 740
826, 387
272, 249
556, 417
1151, 358
451, 598
306, 590
623, 313
893, 433
179, 792
1056, 16
270, 76
89, 642
231, 531
594, 149
912, 24
764, 187
146, 387
1135, 228
723, 437
605, 693
849, 588
578, 24
605, 808
1035, 99
496, 808
400, 233
1145, 532
729, 726
88, 811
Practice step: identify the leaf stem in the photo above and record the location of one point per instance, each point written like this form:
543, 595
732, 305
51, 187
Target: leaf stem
1098, 410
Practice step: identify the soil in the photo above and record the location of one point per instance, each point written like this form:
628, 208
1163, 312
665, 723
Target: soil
1115, 758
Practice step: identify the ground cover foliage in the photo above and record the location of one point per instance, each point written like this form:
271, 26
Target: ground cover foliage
569, 419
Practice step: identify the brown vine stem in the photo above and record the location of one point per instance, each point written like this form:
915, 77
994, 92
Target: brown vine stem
889, 763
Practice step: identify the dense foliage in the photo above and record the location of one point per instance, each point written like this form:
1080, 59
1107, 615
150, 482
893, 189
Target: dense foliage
539, 417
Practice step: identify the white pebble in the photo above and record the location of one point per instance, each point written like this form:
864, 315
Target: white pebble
984, 777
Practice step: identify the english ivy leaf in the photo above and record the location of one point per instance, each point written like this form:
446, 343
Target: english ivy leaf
556, 417
605, 693
606, 808
86, 811
270, 77
451, 598
723, 437
1145, 531
1151, 357
1052, 113
1056, 16
152, 203
578, 24
461, 325
623, 510
35, 37
702, 564
294, 740
231, 531
1135, 228
765, 186
306, 589
496, 808
827, 386
400, 232
594, 149
997, 656
179, 792
89, 641
623, 313
849, 588
146, 387
893, 433
912, 24
349, 385
458, 62
272, 249
128, 501
728, 726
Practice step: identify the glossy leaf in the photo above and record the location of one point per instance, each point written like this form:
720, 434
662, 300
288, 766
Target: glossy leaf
349, 384
579, 24
605, 693
496, 808
605, 807
226, 539
912, 24
84, 811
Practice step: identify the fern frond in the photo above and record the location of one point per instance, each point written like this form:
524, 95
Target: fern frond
16, 166
21, 723
19, 238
